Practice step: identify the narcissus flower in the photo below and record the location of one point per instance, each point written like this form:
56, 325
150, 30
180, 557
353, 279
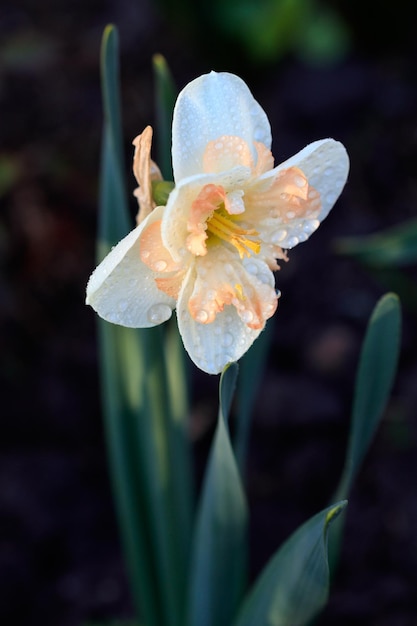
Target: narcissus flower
212, 250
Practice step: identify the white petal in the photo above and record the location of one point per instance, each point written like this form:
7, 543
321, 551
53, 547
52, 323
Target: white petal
174, 224
212, 105
122, 288
212, 346
326, 165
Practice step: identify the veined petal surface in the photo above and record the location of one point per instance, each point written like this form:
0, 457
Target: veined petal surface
325, 163
212, 346
210, 106
122, 289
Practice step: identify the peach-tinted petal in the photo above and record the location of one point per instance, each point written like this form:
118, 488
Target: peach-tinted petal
210, 106
226, 152
152, 251
223, 280
212, 346
325, 163
207, 201
264, 160
177, 213
171, 285
122, 289
287, 210
145, 171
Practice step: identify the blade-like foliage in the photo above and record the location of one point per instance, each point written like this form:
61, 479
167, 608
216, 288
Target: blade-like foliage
218, 565
165, 96
396, 246
142, 436
251, 370
374, 380
294, 585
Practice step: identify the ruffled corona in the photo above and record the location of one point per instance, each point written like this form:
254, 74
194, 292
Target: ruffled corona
211, 252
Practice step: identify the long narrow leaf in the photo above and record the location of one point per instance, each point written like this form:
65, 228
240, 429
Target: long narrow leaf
218, 565
176, 364
166, 94
375, 378
294, 585
251, 370
396, 246
136, 409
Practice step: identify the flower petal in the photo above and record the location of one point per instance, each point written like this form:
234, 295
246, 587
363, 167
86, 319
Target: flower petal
145, 171
210, 106
178, 209
122, 289
222, 279
285, 207
325, 163
212, 346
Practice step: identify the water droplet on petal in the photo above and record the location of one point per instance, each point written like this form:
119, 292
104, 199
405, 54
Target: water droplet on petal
145, 254
123, 304
331, 197
290, 214
246, 316
158, 313
227, 340
202, 316
291, 242
300, 181
251, 268
278, 236
160, 266
228, 268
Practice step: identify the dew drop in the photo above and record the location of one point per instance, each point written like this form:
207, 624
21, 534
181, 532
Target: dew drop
202, 316
145, 254
158, 313
228, 268
278, 236
300, 181
123, 304
246, 316
290, 214
291, 242
328, 171
251, 268
160, 266
331, 197
227, 340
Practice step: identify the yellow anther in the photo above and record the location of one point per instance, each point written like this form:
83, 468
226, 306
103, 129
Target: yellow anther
222, 226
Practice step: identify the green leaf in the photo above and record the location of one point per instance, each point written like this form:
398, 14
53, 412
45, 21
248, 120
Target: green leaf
218, 566
396, 246
142, 436
374, 380
165, 96
294, 585
251, 370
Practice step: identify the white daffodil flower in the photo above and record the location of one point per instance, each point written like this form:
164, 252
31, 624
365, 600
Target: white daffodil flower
212, 250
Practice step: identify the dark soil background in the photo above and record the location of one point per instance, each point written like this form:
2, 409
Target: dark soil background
60, 559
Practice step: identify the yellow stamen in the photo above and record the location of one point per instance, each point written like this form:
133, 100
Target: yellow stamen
222, 226
239, 292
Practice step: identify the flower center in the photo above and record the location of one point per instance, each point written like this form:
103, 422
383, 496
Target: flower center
222, 225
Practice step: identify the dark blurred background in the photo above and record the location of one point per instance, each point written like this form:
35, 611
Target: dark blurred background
319, 69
